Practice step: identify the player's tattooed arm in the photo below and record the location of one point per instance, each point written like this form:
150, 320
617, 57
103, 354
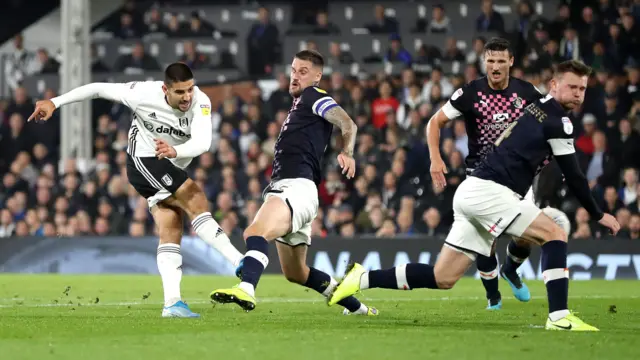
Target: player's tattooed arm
338, 117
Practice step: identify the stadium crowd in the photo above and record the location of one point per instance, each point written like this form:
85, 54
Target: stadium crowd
392, 193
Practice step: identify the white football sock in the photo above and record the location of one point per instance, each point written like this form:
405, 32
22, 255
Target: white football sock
248, 288
557, 315
364, 281
210, 232
170, 268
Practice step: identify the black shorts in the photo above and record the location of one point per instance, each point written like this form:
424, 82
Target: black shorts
153, 178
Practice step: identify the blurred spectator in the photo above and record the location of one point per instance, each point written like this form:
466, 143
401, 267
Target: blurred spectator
264, 45
440, 23
382, 24
338, 57
137, 62
397, 53
47, 64
489, 20
196, 60
323, 26
18, 63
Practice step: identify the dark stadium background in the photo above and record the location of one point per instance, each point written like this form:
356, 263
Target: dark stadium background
391, 94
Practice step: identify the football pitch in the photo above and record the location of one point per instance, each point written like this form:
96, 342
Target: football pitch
118, 318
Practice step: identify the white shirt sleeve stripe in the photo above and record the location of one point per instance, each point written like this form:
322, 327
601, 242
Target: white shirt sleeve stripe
450, 111
561, 147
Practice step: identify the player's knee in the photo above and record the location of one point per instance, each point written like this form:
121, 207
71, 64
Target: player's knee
555, 232
192, 199
446, 283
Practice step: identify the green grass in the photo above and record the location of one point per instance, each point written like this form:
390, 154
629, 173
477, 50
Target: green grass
38, 320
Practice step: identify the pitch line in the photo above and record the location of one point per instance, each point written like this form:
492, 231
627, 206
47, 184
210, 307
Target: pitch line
13, 302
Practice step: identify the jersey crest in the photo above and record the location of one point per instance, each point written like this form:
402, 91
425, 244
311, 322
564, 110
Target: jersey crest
184, 122
567, 126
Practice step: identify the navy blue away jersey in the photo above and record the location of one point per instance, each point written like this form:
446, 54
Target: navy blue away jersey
304, 137
488, 112
527, 145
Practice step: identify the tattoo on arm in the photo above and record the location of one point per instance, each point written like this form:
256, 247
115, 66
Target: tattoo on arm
338, 117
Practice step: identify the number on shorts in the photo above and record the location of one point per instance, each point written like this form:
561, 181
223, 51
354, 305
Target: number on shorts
506, 133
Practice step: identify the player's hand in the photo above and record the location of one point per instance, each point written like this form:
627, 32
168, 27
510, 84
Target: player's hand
347, 164
610, 222
164, 150
44, 110
438, 169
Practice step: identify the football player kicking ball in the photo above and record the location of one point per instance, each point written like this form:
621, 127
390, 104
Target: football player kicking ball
171, 126
490, 202
291, 199
488, 106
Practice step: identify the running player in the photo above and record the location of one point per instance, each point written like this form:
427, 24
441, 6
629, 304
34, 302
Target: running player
490, 202
488, 106
291, 199
171, 125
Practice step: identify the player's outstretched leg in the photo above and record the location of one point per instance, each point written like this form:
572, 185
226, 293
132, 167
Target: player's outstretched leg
518, 251
556, 276
190, 198
273, 220
488, 268
169, 222
449, 268
296, 270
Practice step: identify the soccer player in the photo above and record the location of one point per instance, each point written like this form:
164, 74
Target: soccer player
171, 125
488, 106
490, 202
291, 199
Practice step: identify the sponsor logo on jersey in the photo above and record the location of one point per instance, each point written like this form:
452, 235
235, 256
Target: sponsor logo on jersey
320, 90
167, 179
184, 122
500, 125
205, 110
567, 125
153, 116
171, 131
500, 117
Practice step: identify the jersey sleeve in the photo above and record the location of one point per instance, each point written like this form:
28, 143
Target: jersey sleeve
124, 93
459, 102
319, 101
559, 136
201, 129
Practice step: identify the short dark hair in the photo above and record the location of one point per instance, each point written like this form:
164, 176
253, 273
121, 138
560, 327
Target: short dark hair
573, 66
311, 55
498, 44
177, 72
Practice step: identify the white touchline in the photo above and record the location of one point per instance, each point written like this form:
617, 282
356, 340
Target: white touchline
12, 302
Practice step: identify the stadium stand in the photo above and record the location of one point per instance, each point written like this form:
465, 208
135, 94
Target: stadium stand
390, 64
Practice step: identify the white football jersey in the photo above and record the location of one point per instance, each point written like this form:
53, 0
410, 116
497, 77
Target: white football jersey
190, 132
153, 119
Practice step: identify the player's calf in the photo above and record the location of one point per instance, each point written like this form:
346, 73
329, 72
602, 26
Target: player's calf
193, 201
273, 220
553, 240
296, 270
488, 269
